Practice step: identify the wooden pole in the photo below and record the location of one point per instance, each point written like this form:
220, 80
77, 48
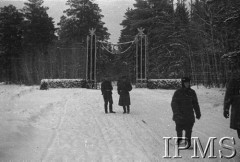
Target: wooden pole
87, 58
91, 58
136, 60
141, 62
95, 62
145, 57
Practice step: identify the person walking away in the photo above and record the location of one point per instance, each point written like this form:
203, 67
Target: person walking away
106, 88
184, 104
124, 87
232, 99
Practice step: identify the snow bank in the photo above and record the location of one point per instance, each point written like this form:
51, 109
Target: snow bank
62, 83
70, 125
164, 83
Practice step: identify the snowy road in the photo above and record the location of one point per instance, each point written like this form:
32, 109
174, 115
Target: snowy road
70, 125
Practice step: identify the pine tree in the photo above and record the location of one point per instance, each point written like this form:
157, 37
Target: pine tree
134, 19
39, 34
156, 16
225, 21
81, 16
183, 41
39, 27
10, 43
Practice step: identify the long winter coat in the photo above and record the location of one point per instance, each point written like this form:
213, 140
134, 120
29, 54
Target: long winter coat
123, 90
232, 98
184, 104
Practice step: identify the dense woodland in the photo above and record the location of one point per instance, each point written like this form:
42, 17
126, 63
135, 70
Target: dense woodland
187, 38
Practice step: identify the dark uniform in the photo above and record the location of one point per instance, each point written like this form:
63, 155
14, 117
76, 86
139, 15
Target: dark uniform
106, 88
232, 98
123, 88
184, 104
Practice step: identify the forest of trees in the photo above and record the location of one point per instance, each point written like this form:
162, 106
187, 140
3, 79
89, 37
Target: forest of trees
187, 38
32, 48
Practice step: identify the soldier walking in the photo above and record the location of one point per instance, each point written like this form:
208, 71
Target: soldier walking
232, 98
184, 104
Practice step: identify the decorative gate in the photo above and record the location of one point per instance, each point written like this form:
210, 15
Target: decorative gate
91, 68
141, 58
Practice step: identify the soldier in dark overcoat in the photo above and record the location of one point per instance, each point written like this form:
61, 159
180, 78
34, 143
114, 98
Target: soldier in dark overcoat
124, 87
184, 104
232, 98
106, 88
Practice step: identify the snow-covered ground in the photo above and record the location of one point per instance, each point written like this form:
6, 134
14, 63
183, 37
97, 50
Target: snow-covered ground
70, 125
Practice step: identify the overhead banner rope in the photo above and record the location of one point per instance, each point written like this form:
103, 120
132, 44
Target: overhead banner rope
113, 52
141, 44
116, 43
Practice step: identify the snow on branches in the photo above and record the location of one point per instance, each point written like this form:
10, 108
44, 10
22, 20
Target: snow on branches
164, 83
62, 83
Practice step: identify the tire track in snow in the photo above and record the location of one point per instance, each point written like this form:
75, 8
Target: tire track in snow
135, 124
145, 120
131, 127
99, 127
146, 132
117, 137
56, 130
138, 137
80, 125
123, 135
110, 125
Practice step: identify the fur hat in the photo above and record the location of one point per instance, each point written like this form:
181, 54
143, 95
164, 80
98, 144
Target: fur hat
185, 79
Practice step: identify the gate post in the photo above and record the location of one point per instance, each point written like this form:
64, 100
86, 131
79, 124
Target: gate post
91, 60
141, 59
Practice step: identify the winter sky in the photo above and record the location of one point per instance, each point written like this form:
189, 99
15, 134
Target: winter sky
113, 11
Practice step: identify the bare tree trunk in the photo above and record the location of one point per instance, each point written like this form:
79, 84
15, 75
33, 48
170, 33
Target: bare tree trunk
191, 9
209, 71
191, 62
203, 69
27, 72
213, 51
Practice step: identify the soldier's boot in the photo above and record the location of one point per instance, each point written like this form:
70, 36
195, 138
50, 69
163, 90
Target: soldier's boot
180, 139
128, 109
124, 110
181, 142
106, 108
188, 138
110, 109
188, 144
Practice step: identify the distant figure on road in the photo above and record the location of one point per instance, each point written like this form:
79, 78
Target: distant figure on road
184, 104
232, 98
124, 87
106, 88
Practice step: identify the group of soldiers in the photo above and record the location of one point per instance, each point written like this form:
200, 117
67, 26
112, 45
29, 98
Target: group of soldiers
184, 104
123, 87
